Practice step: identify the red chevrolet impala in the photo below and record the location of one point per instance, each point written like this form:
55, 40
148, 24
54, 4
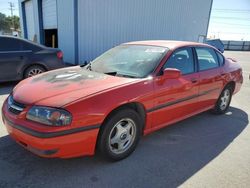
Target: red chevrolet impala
131, 90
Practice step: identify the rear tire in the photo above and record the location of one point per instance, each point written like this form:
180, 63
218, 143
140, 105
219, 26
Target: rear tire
223, 101
120, 135
33, 70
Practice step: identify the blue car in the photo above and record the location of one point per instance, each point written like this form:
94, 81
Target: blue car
20, 58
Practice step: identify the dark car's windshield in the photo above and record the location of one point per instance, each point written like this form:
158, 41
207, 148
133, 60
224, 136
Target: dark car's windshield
129, 60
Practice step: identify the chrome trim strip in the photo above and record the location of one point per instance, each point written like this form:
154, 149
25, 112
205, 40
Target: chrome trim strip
12, 105
21, 51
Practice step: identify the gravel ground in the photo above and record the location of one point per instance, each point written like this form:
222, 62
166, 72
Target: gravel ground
202, 151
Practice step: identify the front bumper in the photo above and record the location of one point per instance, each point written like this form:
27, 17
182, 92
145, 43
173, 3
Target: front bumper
64, 144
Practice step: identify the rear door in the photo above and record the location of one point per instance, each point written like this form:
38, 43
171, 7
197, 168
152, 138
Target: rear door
176, 98
12, 57
211, 81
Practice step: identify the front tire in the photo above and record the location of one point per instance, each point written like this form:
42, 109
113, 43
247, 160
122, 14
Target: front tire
120, 135
223, 101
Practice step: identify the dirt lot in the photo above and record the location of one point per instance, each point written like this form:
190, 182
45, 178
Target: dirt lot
202, 151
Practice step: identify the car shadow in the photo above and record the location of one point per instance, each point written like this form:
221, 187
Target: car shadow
165, 158
7, 87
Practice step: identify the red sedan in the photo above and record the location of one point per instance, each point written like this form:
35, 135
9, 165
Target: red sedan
129, 91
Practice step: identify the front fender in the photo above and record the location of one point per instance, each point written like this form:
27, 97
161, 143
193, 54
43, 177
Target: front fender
94, 109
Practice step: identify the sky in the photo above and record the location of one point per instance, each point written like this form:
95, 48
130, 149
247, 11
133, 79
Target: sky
4, 7
230, 20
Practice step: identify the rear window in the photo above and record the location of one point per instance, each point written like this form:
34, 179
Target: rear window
207, 58
29, 46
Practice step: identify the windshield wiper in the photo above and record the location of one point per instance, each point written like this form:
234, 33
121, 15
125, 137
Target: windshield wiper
89, 66
114, 73
127, 76
111, 73
86, 66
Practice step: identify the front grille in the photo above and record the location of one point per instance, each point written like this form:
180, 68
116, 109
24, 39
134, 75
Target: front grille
14, 106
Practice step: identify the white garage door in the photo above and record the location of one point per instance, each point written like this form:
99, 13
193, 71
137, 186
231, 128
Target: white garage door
30, 23
49, 10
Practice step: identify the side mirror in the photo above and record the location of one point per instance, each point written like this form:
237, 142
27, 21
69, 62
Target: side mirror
171, 73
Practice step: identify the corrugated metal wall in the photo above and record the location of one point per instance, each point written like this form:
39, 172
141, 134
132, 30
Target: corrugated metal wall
104, 24
65, 23
30, 22
49, 10
66, 29
28, 16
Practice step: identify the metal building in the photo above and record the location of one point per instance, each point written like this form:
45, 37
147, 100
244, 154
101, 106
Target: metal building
84, 29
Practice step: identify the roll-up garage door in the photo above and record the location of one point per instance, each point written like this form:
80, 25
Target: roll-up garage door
30, 23
49, 11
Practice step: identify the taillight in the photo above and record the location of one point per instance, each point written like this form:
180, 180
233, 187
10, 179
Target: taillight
59, 54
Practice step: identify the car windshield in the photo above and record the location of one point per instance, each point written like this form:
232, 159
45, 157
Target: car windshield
129, 61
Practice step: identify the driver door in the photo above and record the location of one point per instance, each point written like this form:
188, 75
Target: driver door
176, 98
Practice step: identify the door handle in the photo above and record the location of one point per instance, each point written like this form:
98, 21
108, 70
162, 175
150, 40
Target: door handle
194, 80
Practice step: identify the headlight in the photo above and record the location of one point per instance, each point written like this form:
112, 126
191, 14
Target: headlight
49, 116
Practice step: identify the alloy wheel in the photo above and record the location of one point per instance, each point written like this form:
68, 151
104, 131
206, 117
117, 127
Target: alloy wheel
225, 99
122, 136
34, 72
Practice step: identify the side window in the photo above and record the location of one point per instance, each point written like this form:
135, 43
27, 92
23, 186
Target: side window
207, 58
220, 58
25, 46
28, 46
1, 44
9, 44
181, 59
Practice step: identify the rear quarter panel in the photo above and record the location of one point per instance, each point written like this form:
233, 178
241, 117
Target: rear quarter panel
233, 72
49, 59
46, 59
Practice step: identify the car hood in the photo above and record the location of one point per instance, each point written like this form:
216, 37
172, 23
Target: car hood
65, 86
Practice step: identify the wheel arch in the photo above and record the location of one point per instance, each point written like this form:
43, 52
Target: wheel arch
33, 64
217, 109
231, 84
136, 106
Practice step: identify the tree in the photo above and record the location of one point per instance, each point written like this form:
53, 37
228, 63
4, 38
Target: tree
15, 20
6, 23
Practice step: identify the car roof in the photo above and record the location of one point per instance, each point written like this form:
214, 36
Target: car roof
13, 37
171, 44
26, 40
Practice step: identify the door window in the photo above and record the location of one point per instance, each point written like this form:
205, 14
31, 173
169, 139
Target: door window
9, 44
207, 58
181, 59
220, 58
28, 46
